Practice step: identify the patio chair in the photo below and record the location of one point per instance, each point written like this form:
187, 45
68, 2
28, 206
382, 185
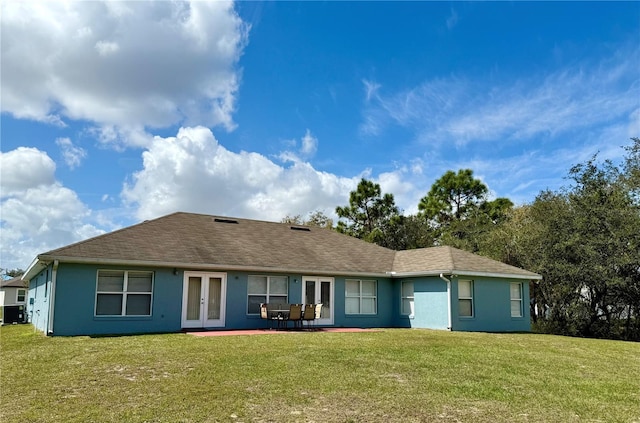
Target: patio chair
295, 314
309, 314
264, 313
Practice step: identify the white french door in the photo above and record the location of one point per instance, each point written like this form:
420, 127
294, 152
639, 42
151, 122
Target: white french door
319, 290
203, 299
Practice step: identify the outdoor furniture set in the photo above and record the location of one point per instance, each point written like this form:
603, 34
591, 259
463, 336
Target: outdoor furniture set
282, 314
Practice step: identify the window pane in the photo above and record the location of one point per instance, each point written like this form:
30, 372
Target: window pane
369, 288
407, 289
407, 306
352, 288
464, 289
257, 285
109, 305
278, 285
22, 293
465, 308
139, 282
110, 281
352, 305
254, 303
277, 299
515, 291
368, 306
516, 310
138, 305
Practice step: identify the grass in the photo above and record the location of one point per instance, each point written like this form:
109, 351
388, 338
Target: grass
388, 375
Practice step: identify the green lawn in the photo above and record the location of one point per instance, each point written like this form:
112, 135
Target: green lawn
400, 375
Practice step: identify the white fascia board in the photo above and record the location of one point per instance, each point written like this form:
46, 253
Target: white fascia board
217, 267
36, 266
467, 273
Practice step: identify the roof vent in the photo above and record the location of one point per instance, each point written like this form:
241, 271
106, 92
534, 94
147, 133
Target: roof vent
225, 220
298, 228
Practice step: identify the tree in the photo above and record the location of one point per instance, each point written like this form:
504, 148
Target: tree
453, 197
13, 273
370, 215
316, 218
458, 211
585, 241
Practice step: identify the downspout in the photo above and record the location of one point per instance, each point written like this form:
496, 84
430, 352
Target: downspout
52, 296
448, 281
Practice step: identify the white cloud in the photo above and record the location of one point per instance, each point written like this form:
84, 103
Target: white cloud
126, 66
38, 213
72, 155
307, 149
452, 20
193, 172
462, 110
25, 168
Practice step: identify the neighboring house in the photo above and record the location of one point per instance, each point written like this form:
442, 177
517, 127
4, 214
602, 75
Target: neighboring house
188, 270
13, 299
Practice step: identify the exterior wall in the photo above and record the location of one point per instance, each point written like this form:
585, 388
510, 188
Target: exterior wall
492, 307
386, 306
39, 296
76, 297
9, 296
429, 304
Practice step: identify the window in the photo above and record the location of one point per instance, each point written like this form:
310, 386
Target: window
360, 297
124, 293
21, 295
516, 300
266, 289
407, 299
465, 298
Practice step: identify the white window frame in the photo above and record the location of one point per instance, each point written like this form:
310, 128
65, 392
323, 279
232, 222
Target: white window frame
518, 300
268, 295
410, 298
361, 297
125, 293
24, 295
466, 298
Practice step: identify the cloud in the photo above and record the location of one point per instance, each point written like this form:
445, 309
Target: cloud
452, 20
461, 110
72, 155
124, 66
25, 168
38, 213
307, 149
193, 172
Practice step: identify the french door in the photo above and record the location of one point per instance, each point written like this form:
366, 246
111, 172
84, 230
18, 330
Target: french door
319, 290
203, 299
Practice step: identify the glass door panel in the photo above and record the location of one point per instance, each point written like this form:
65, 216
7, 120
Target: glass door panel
193, 298
203, 300
215, 293
320, 290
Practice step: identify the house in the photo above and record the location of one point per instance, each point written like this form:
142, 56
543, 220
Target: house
13, 299
189, 270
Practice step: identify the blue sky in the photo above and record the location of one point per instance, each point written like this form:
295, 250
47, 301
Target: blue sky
116, 112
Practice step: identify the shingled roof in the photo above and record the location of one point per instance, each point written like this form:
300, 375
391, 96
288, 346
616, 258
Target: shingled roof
198, 241
449, 260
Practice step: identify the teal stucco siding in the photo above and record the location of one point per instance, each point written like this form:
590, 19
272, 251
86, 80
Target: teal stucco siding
492, 307
38, 299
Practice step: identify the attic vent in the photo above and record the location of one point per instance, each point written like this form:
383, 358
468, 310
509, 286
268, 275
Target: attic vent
225, 220
298, 228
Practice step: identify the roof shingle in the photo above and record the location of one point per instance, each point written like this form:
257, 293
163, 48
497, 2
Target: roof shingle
196, 239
